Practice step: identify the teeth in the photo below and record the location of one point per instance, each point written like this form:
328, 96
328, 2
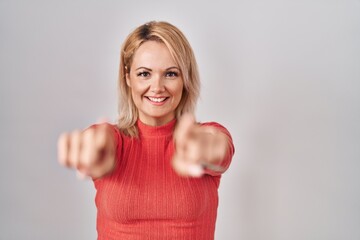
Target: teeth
156, 99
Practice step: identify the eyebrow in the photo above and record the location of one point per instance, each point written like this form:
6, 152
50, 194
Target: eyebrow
149, 69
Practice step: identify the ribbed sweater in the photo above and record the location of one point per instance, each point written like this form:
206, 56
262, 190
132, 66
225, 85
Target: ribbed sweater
143, 197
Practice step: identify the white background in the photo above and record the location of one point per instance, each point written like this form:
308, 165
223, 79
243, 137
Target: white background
282, 76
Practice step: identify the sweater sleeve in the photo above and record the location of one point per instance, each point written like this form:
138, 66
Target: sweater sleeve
225, 163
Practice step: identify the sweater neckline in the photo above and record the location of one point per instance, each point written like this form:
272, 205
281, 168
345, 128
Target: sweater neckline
156, 131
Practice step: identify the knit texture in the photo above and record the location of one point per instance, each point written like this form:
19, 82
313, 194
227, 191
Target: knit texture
143, 198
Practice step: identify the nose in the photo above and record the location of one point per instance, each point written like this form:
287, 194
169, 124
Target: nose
157, 84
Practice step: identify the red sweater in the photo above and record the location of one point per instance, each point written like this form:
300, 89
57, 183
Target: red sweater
143, 198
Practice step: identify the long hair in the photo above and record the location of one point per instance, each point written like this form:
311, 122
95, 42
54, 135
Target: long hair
181, 52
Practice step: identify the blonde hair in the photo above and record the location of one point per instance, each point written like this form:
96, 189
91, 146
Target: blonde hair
183, 55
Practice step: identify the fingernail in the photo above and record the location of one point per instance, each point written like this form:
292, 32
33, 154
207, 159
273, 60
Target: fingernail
195, 170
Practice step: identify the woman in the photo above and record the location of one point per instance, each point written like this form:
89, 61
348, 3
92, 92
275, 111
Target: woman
157, 171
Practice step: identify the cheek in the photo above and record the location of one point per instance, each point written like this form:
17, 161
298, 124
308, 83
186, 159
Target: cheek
136, 96
138, 90
179, 90
176, 93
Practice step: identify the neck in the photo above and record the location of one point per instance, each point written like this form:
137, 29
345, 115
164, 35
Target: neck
162, 130
156, 122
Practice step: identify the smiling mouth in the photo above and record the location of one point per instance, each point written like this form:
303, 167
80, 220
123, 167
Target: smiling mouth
157, 99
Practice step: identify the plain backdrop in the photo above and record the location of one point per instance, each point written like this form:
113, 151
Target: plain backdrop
282, 76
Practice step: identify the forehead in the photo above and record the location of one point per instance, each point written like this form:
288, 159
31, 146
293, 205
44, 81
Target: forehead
153, 55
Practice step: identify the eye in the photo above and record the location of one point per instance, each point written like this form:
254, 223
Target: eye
143, 74
172, 74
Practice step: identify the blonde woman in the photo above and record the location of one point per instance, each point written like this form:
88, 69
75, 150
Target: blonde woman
156, 171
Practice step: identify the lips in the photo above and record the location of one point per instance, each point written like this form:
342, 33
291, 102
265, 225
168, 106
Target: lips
157, 99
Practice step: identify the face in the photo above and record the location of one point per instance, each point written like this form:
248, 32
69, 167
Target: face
156, 83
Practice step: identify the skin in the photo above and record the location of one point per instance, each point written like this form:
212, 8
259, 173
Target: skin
155, 75
197, 148
91, 152
156, 86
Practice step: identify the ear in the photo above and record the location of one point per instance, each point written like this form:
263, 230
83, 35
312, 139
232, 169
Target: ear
128, 79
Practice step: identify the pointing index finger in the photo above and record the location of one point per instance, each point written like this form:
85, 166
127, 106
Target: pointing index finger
183, 129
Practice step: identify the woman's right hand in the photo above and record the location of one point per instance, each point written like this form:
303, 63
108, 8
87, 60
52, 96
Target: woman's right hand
91, 152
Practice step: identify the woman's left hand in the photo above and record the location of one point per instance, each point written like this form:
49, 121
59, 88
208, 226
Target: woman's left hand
198, 147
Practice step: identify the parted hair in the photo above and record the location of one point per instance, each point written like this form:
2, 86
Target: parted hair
181, 52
